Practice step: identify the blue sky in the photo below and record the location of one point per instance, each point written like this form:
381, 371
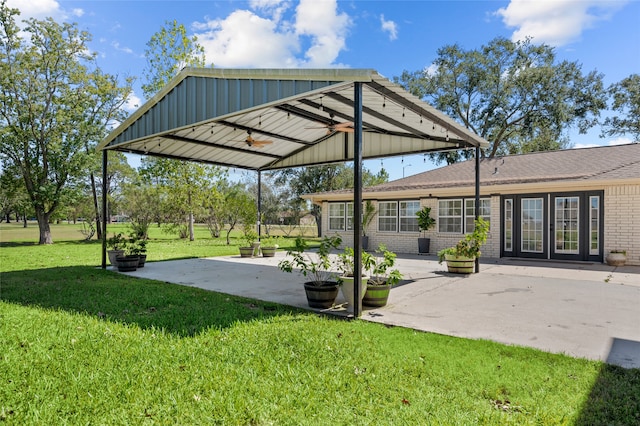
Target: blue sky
388, 36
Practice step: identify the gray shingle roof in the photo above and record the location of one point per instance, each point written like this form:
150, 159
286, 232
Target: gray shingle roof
599, 163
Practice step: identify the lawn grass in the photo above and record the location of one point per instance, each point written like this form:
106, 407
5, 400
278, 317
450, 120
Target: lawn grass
83, 345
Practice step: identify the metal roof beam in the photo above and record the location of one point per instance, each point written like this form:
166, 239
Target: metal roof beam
222, 147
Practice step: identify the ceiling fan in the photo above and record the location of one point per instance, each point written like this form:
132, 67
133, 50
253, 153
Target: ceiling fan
346, 127
255, 142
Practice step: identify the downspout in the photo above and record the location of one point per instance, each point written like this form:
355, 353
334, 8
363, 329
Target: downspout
357, 199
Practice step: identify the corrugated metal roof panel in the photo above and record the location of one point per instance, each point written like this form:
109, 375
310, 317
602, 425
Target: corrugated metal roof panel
203, 113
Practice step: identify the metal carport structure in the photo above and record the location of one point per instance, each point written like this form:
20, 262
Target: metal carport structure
307, 117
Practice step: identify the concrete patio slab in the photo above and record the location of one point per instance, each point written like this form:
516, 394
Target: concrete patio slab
579, 309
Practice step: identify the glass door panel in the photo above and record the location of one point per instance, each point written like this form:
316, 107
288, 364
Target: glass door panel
567, 225
532, 225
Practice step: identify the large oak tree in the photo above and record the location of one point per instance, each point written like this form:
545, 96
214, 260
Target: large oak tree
53, 102
516, 95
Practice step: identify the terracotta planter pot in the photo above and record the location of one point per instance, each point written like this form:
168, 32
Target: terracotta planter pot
460, 264
616, 259
321, 296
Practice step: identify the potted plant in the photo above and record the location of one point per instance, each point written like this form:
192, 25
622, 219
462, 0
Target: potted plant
250, 237
381, 278
616, 258
115, 247
128, 262
461, 258
137, 245
346, 264
368, 214
321, 290
425, 222
269, 245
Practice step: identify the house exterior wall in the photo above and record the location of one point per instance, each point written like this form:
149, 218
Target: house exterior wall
622, 221
407, 242
621, 225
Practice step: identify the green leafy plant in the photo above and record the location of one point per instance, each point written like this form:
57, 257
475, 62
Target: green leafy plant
316, 266
381, 263
425, 221
619, 251
470, 245
249, 237
116, 242
270, 241
368, 214
136, 245
346, 261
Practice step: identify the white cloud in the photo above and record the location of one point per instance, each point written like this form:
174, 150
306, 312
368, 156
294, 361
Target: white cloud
133, 103
328, 30
390, 27
264, 37
77, 12
116, 45
38, 9
555, 22
619, 141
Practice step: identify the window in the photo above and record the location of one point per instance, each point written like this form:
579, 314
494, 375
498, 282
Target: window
450, 216
594, 227
408, 216
470, 212
349, 218
336, 217
388, 216
531, 222
508, 225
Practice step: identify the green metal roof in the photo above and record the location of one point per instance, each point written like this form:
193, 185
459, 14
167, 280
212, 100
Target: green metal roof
215, 116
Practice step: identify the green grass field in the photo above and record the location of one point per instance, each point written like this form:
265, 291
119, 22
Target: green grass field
82, 345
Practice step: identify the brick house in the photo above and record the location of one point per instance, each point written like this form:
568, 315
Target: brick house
575, 204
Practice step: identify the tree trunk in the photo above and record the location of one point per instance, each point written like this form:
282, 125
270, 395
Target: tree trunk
191, 236
316, 213
43, 225
95, 207
24, 221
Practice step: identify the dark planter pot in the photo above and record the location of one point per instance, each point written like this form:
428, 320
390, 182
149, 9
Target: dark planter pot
246, 251
113, 255
268, 251
127, 263
321, 296
376, 296
142, 258
365, 242
460, 264
423, 245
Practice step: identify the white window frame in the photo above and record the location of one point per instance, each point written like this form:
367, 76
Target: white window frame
450, 215
394, 216
412, 216
469, 219
340, 216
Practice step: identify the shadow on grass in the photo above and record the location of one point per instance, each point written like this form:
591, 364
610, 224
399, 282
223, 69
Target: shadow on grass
614, 398
179, 310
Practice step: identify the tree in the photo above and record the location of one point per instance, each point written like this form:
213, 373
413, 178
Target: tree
168, 51
13, 195
513, 94
626, 102
309, 180
48, 108
184, 187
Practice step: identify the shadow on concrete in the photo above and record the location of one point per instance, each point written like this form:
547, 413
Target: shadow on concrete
146, 303
624, 352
